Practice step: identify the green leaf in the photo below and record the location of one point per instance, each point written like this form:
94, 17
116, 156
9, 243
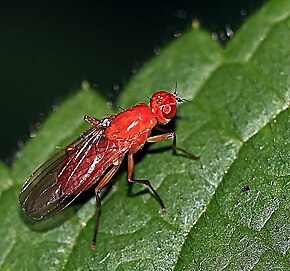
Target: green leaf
247, 229
237, 120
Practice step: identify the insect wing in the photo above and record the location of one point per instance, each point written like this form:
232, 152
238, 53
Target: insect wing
42, 194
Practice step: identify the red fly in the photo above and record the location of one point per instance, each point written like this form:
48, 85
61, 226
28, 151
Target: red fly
96, 155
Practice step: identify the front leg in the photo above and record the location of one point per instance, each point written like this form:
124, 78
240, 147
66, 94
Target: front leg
171, 135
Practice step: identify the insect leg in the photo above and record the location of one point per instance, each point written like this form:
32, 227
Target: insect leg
100, 185
146, 182
98, 207
166, 136
93, 121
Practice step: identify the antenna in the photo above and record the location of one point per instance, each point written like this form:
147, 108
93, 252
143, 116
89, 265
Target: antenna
175, 93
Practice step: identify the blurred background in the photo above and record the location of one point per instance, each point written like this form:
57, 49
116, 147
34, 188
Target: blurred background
47, 48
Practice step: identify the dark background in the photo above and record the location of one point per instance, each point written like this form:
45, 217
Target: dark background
48, 48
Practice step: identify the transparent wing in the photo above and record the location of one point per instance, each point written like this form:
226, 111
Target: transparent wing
70, 171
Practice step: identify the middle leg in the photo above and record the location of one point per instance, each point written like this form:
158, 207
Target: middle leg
146, 182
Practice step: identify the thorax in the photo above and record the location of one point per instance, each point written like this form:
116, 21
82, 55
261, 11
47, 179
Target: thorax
131, 127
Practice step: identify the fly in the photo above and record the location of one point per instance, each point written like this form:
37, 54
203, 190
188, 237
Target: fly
95, 156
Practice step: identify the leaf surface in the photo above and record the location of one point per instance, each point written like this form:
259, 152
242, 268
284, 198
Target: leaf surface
230, 211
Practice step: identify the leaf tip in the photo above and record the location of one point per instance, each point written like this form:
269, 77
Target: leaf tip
195, 24
85, 85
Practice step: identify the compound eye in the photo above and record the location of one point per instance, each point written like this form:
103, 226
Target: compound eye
168, 111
